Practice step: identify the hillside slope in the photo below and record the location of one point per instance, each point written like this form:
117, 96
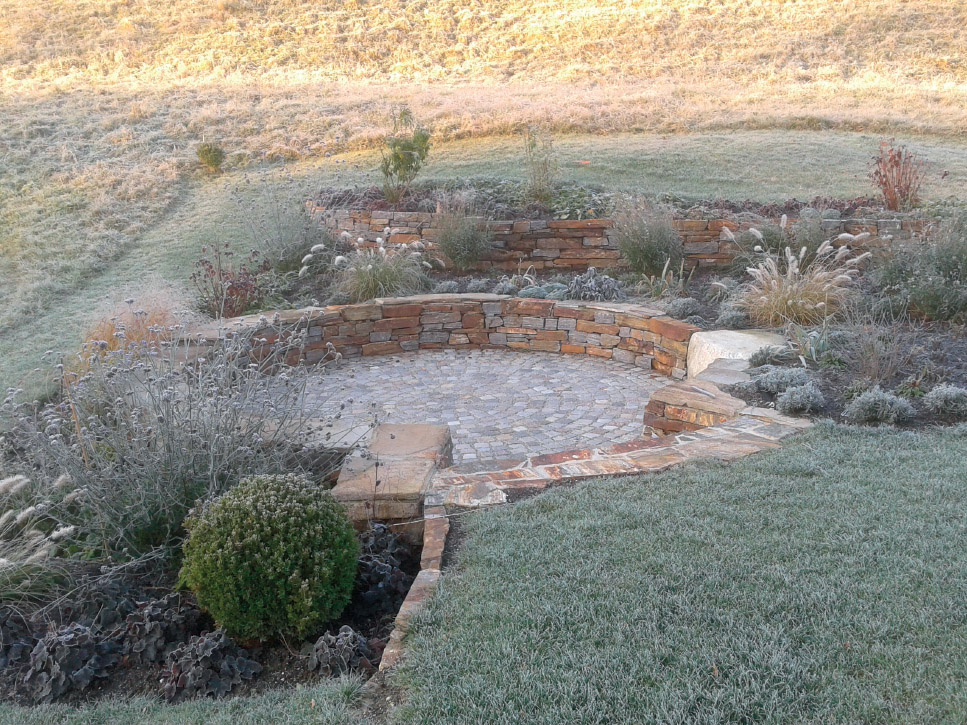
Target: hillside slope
771, 41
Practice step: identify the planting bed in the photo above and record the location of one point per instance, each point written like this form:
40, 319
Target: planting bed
112, 610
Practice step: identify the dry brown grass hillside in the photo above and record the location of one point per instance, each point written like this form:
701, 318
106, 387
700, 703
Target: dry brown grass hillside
103, 102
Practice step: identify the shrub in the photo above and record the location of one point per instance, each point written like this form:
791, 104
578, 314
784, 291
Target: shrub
479, 285
774, 380
731, 319
878, 406
143, 326
117, 461
369, 273
947, 400
929, 279
898, 173
800, 399
682, 307
462, 236
274, 556
447, 287
647, 239
505, 287
211, 156
594, 286
533, 291
227, 290
404, 153
281, 226
721, 289
789, 289
541, 165
772, 355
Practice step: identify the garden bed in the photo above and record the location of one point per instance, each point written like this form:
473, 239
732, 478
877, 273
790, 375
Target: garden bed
907, 360
111, 610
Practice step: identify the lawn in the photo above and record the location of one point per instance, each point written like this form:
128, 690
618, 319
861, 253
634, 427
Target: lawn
824, 582
330, 703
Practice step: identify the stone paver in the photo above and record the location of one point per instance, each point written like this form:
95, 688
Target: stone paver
499, 404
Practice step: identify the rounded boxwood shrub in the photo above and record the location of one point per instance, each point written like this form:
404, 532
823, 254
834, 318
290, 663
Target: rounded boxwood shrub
274, 556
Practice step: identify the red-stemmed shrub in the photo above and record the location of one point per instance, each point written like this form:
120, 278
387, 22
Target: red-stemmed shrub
227, 290
898, 173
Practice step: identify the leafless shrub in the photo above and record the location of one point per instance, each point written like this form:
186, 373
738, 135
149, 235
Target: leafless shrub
898, 173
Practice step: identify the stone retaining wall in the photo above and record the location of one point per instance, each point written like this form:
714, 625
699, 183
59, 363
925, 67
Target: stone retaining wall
629, 333
576, 245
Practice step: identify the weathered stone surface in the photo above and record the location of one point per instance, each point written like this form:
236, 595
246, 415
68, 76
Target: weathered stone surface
705, 347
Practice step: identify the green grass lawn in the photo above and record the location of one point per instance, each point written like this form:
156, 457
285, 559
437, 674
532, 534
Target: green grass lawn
763, 165
825, 582
330, 703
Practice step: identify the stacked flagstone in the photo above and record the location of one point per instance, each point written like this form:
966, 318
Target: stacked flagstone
625, 332
566, 245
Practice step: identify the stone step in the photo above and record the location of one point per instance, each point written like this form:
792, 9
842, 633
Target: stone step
387, 480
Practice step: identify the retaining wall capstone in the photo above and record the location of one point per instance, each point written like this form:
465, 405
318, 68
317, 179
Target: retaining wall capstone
565, 245
625, 332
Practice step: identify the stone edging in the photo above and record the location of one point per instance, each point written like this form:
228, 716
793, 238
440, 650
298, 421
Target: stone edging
745, 430
625, 332
566, 245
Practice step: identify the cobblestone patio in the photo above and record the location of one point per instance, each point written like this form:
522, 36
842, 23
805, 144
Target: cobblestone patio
499, 404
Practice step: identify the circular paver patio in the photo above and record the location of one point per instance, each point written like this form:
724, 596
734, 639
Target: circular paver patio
499, 404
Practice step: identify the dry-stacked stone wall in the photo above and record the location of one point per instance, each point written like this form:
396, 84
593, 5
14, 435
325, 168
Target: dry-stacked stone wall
565, 245
625, 332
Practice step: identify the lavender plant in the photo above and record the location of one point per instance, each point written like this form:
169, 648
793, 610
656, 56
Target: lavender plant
134, 440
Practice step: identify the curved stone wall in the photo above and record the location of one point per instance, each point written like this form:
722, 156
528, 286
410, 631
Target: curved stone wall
629, 333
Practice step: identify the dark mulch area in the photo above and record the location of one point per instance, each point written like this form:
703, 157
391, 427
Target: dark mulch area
282, 663
791, 207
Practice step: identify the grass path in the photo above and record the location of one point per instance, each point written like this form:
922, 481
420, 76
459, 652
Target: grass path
821, 583
764, 165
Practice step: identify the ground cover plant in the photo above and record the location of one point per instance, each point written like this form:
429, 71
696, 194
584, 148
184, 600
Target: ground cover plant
768, 590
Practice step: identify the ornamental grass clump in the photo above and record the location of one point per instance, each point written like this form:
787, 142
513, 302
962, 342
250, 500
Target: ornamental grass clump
462, 236
366, 274
647, 239
791, 289
273, 557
